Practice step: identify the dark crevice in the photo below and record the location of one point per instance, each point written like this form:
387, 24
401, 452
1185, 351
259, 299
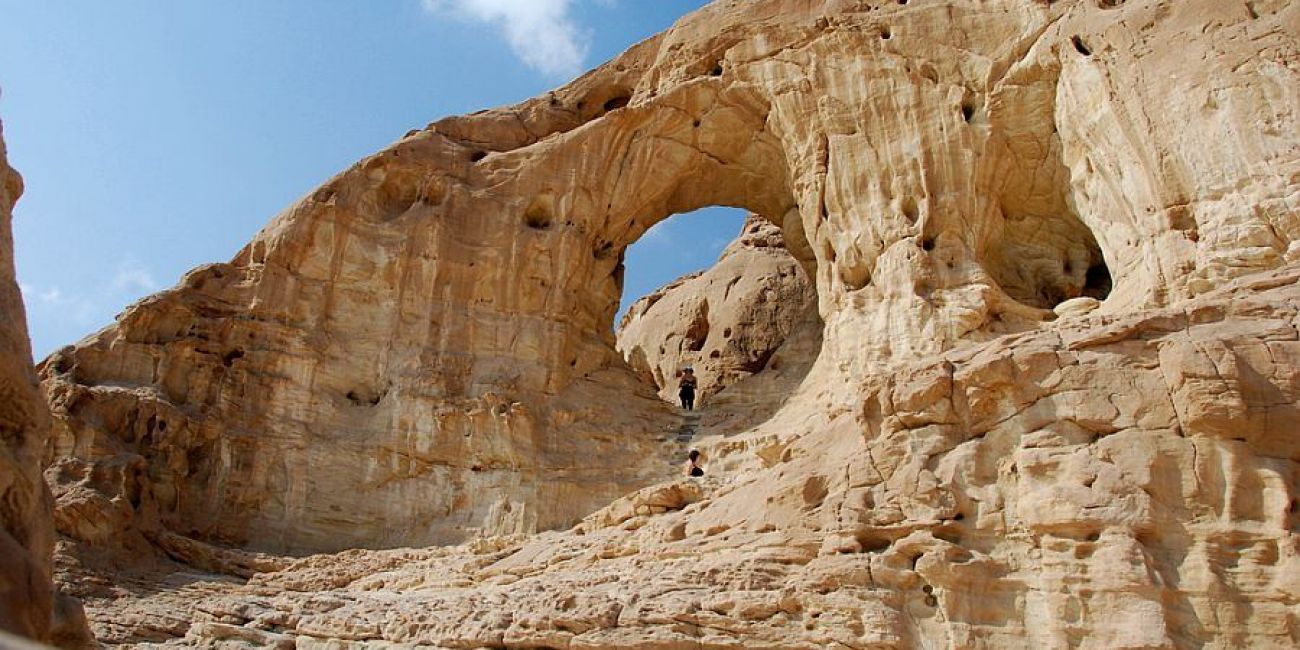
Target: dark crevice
1097, 281
229, 358
366, 396
617, 102
1080, 46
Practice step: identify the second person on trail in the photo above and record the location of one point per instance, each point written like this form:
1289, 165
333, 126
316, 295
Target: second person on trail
686, 388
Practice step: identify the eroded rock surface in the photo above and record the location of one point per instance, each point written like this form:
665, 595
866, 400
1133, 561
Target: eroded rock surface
26, 528
1064, 488
1053, 405
30, 606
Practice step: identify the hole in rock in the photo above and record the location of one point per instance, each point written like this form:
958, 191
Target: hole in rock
537, 217
1080, 46
967, 111
366, 396
674, 248
716, 71
1045, 260
886, 34
910, 210
477, 156
1097, 282
718, 290
229, 358
617, 102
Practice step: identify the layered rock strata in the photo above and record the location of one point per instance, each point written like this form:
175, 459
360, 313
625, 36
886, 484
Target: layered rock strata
1048, 408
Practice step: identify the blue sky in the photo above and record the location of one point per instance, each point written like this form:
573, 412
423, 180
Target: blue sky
157, 136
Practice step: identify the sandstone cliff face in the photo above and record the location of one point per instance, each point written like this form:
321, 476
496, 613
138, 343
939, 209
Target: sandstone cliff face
26, 529
728, 322
1072, 487
30, 606
1053, 246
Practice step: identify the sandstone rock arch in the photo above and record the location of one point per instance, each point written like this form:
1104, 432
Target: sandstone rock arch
430, 329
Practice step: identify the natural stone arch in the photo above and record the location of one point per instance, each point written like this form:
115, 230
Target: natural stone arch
430, 328
604, 185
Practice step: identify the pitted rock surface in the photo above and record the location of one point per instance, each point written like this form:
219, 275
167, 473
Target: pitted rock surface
1053, 401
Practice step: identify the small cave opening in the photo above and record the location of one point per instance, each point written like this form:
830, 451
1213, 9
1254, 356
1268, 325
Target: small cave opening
616, 103
228, 359
1045, 260
1097, 283
366, 396
1080, 46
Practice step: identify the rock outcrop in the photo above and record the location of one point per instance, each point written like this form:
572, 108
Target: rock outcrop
1071, 487
30, 606
26, 526
1053, 247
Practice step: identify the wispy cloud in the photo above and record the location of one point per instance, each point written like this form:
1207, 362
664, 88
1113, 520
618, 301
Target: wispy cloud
658, 234
133, 278
542, 33
88, 305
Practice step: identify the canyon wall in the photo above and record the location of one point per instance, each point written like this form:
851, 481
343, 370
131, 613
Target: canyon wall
1110, 482
1053, 250
26, 528
30, 606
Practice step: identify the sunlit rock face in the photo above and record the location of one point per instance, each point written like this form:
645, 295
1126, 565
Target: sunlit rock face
1054, 394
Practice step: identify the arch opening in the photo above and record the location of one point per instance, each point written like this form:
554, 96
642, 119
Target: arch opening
742, 313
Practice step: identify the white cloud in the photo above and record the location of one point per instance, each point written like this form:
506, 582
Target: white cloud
541, 32
658, 234
134, 278
54, 296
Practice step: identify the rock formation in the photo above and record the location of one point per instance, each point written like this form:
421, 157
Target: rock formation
27, 535
1054, 404
1071, 487
29, 604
